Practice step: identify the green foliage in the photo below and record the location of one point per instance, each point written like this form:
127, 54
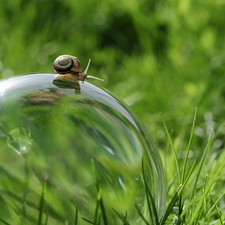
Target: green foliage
160, 55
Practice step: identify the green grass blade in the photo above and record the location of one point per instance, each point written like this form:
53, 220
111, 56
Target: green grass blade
101, 203
99, 220
46, 220
189, 174
181, 214
149, 196
219, 213
141, 215
170, 185
41, 205
189, 146
219, 222
97, 208
87, 220
189, 205
201, 165
76, 216
198, 174
210, 210
104, 217
203, 206
125, 215
125, 222
4, 222
170, 206
153, 205
174, 151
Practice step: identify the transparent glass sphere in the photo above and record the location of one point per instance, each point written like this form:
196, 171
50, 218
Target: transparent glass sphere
68, 137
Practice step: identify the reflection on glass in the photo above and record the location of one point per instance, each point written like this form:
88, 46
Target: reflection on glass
19, 140
64, 130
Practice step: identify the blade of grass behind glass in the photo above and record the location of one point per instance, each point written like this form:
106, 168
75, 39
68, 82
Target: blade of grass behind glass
104, 217
121, 217
87, 220
141, 215
149, 206
46, 220
125, 215
76, 216
153, 205
3, 221
165, 160
174, 151
101, 204
97, 207
9, 202
41, 207
99, 221
170, 206
149, 195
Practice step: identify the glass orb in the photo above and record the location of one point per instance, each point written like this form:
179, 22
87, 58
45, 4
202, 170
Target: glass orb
77, 141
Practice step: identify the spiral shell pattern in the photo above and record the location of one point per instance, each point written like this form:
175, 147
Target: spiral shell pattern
66, 63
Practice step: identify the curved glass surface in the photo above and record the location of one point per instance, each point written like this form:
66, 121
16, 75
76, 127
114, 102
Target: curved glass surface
70, 136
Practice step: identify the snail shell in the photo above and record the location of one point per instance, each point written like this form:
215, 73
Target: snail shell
67, 63
69, 67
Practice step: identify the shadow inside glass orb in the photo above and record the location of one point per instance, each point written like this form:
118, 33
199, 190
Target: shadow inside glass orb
74, 134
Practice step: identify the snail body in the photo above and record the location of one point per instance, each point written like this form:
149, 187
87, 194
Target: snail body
69, 67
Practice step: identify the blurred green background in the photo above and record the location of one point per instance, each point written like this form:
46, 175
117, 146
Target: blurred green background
159, 55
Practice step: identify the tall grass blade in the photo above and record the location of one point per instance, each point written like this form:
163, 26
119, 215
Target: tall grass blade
196, 220
219, 221
210, 210
170, 206
201, 165
170, 185
46, 220
41, 204
174, 151
195, 208
193, 215
219, 213
104, 217
123, 218
189, 174
4, 222
87, 220
189, 146
76, 216
97, 208
99, 220
141, 215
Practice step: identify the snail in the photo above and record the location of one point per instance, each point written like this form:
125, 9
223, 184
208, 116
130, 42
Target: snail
69, 67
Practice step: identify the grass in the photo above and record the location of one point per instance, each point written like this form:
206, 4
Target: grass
190, 203
157, 56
